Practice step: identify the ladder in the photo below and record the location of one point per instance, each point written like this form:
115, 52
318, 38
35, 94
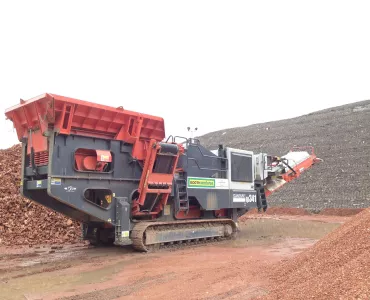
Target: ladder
262, 201
181, 200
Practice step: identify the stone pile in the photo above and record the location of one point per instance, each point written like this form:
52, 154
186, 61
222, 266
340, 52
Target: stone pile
22, 221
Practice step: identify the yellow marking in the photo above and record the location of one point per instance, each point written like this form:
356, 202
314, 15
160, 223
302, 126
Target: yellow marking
108, 198
104, 157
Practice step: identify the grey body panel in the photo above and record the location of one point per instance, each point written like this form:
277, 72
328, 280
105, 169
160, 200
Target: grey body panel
63, 189
200, 162
62, 153
214, 199
211, 199
59, 186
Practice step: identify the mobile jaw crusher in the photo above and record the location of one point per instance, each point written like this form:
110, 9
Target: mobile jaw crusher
112, 170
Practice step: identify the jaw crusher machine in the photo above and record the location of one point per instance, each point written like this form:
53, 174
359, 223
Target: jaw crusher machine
112, 170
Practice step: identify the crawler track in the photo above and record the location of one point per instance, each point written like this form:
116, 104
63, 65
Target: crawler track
149, 236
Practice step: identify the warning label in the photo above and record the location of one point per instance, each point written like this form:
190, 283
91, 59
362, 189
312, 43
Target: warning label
56, 181
104, 158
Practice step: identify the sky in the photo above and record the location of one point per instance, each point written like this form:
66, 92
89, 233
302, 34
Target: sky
205, 64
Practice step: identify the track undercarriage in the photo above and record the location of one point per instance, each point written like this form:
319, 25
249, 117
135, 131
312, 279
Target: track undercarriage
148, 236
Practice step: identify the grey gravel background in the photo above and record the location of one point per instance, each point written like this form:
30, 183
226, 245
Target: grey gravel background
341, 137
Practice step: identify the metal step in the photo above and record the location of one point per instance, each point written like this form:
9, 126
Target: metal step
182, 201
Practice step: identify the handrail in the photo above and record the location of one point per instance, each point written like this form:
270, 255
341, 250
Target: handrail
284, 161
209, 169
182, 137
206, 155
210, 156
169, 138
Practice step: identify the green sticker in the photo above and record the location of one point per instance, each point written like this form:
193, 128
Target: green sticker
199, 182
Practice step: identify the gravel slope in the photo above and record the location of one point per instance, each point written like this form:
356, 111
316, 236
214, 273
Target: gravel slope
341, 137
336, 267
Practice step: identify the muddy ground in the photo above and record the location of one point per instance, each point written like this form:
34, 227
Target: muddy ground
235, 269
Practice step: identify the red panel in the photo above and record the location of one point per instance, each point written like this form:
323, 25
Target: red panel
89, 163
38, 142
68, 115
41, 158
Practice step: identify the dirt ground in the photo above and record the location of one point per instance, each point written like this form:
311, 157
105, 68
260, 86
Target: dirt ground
235, 269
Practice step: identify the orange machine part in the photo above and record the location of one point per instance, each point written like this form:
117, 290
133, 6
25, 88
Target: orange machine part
193, 213
89, 163
92, 160
150, 181
38, 142
72, 116
299, 169
41, 158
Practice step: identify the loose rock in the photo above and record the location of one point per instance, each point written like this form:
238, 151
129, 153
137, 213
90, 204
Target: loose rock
23, 222
340, 136
336, 267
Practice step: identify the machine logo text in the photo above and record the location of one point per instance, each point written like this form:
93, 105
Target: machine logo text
247, 198
70, 189
201, 182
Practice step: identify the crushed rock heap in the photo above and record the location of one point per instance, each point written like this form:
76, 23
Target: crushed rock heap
336, 267
340, 136
23, 221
